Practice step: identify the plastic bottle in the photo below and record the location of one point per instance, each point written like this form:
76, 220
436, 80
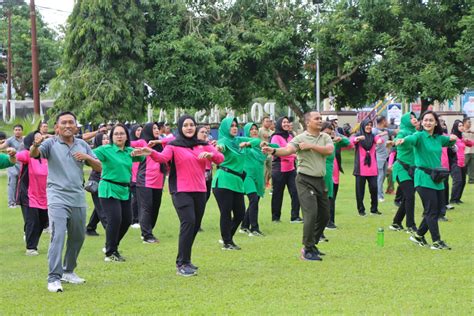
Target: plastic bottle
380, 237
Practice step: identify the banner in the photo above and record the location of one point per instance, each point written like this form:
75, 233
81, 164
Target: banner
394, 111
468, 103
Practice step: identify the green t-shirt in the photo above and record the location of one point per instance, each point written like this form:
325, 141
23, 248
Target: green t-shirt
117, 167
344, 142
5, 161
310, 162
427, 150
405, 152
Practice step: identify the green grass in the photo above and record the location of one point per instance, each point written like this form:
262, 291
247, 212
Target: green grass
266, 277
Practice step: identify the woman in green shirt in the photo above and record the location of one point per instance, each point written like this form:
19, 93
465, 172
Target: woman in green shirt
228, 183
114, 187
427, 146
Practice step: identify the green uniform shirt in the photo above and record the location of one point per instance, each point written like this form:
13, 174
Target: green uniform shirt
330, 165
117, 167
5, 161
405, 152
233, 158
427, 149
310, 162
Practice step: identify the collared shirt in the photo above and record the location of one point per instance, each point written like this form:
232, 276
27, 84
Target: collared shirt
117, 167
381, 149
65, 173
309, 162
16, 143
427, 150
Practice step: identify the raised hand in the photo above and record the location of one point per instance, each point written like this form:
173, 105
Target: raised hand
205, 155
11, 151
267, 150
143, 151
453, 137
81, 156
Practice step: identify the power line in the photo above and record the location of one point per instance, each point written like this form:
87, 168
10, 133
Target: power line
53, 9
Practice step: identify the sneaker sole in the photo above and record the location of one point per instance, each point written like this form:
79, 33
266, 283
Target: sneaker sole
395, 229
305, 259
72, 282
57, 291
416, 241
186, 275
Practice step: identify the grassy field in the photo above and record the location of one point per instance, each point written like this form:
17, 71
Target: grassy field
266, 277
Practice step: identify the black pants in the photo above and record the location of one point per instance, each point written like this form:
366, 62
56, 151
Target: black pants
360, 192
398, 195
445, 200
208, 184
35, 221
280, 180
313, 195
119, 218
230, 203
459, 182
149, 202
251, 214
332, 204
190, 208
407, 204
431, 211
98, 215
134, 201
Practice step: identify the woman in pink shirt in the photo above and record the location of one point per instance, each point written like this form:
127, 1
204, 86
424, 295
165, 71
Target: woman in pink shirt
365, 166
31, 195
458, 170
135, 133
188, 157
284, 173
149, 184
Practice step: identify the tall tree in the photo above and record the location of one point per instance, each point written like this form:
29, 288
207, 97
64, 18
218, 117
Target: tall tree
103, 63
48, 49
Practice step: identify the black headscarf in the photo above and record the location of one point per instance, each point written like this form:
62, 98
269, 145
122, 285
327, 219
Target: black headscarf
367, 143
183, 141
29, 139
147, 135
279, 128
455, 130
133, 132
97, 142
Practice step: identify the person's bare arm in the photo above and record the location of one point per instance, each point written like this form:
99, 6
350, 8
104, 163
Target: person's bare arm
323, 150
280, 152
94, 163
34, 149
89, 135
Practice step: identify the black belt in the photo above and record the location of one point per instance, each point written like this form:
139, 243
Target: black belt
117, 183
235, 173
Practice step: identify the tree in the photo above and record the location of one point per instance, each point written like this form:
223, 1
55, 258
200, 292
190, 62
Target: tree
48, 49
102, 75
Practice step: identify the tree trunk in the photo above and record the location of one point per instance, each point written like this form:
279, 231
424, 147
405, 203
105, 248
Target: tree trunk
424, 105
295, 108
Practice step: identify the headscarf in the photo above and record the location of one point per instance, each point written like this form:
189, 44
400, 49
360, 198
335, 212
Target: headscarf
405, 123
29, 139
181, 140
97, 142
147, 135
279, 129
455, 130
225, 138
254, 153
133, 131
367, 143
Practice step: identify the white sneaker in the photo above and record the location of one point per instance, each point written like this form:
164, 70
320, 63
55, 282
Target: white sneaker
72, 278
136, 226
55, 286
104, 250
221, 241
381, 200
32, 252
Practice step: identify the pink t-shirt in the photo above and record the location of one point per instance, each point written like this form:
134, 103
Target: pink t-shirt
335, 169
283, 164
461, 144
149, 174
37, 178
367, 171
444, 158
187, 171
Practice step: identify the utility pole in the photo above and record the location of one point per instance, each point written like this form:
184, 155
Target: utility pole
318, 88
34, 59
9, 63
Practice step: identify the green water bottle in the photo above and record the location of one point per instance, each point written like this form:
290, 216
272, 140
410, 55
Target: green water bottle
380, 237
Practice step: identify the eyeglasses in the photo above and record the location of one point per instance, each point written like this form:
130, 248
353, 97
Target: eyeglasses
119, 134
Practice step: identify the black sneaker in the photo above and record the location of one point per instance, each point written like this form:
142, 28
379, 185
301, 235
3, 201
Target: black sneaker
115, 257
420, 240
151, 240
192, 266
331, 226
297, 220
375, 213
397, 203
231, 246
276, 221
440, 245
442, 219
244, 231
92, 233
185, 270
412, 230
395, 227
323, 238
318, 252
449, 207
310, 256
363, 214
256, 233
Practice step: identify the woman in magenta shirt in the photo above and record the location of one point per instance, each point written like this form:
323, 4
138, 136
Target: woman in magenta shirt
135, 133
188, 157
284, 173
458, 170
365, 166
31, 195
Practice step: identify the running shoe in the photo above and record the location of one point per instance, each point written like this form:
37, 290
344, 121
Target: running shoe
440, 245
32, 252
186, 271
363, 214
310, 256
323, 238
55, 286
442, 219
395, 227
256, 233
449, 207
331, 226
71, 277
152, 240
375, 213
297, 220
420, 240
115, 257
412, 230
244, 231
231, 246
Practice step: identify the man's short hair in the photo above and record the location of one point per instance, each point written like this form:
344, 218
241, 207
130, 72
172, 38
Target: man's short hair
307, 115
380, 119
264, 118
65, 113
18, 126
465, 120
